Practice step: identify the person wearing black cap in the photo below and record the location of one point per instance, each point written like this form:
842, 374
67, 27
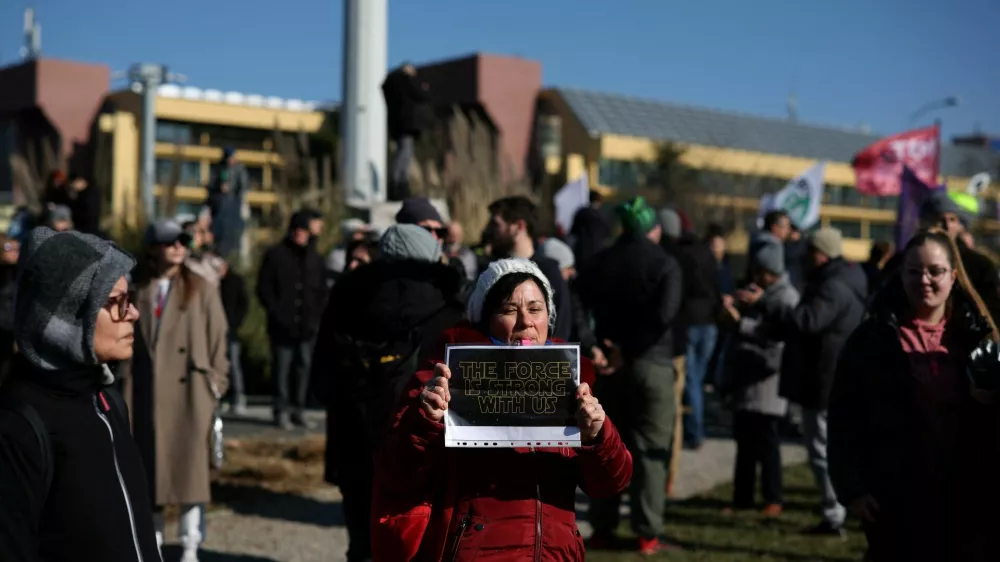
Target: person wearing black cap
420, 211
177, 376
292, 289
226, 198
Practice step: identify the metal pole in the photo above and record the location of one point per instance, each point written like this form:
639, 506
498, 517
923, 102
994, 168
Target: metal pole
148, 145
363, 114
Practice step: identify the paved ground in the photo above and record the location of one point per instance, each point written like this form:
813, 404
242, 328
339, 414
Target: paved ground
290, 528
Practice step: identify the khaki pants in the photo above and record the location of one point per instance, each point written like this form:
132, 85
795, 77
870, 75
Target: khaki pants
641, 400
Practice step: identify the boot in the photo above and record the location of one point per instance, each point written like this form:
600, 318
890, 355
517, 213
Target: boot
191, 522
284, 421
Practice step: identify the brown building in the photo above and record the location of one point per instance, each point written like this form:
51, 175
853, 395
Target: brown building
505, 88
47, 110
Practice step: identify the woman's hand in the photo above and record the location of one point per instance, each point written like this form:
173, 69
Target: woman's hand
435, 396
589, 414
865, 508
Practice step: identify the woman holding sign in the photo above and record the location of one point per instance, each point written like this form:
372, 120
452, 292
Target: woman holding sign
434, 503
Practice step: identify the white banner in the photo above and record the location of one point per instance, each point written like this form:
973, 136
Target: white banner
572, 197
801, 198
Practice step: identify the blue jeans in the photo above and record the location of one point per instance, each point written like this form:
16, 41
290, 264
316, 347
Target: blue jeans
701, 344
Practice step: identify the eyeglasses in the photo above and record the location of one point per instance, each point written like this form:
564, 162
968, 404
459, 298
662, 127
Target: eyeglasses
9, 246
935, 273
119, 305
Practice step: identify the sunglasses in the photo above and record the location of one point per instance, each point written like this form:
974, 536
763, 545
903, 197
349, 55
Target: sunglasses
441, 232
183, 240
119, 304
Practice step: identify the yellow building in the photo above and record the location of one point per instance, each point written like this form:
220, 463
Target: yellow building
738, 158
193, 127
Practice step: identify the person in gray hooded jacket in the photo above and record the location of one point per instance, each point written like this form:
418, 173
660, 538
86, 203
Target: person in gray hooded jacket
751, 379
72, 484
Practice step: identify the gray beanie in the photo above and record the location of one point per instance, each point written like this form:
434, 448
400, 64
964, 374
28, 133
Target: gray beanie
770, 256
941, 202
409, 242
671, 223
829, 241
63, 281
556, 249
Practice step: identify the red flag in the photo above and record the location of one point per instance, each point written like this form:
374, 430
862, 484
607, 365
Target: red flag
878, 167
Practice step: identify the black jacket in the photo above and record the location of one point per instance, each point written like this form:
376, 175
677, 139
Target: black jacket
235, 300
688, 270
815, 331
702, 299
292, 289
97, 506
403, 96
561, 297
634, 291
591, 233
398, 307
875, 425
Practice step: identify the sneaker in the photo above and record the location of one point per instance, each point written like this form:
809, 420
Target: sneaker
656, 545
239, 407
827, 529
302, 421
602, 540
771, 510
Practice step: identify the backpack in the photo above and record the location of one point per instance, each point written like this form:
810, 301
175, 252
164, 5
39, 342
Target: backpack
373, 375
12, 403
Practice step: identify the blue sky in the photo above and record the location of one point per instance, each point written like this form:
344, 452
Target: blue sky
849, 61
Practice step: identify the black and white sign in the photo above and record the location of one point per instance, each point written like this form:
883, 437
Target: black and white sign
513, 396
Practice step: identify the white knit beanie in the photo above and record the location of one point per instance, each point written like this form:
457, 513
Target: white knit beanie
493, 273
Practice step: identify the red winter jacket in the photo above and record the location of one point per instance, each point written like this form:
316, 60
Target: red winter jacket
432, 503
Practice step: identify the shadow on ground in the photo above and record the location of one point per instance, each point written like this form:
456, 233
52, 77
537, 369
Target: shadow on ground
172, 553
261, 502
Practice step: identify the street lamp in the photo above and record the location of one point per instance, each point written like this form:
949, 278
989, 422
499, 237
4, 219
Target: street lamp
950, 101
145, 79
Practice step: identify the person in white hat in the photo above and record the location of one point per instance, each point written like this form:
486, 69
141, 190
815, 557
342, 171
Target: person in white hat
524, 498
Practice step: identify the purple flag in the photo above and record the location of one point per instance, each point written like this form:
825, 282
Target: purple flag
912, 194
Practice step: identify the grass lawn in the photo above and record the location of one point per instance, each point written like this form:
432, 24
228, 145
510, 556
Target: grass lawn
706, 534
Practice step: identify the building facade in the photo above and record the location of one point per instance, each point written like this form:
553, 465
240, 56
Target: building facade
193, 127
737, 158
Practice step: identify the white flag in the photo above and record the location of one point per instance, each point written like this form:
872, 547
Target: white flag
572, 197
802, 197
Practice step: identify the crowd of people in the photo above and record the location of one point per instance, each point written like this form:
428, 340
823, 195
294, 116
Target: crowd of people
114, 367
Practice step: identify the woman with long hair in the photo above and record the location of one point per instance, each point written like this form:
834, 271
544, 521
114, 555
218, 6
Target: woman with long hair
914, 423
178, 373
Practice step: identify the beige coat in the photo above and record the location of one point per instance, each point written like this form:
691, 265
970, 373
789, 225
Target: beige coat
170, 397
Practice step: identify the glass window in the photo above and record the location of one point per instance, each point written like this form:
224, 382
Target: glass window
831, 195
851, 197
881, 232
173, 132
889, 202
189, 172
238, 137
849, 229
256, 174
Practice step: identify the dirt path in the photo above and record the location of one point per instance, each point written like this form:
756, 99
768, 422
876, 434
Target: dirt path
296, 518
